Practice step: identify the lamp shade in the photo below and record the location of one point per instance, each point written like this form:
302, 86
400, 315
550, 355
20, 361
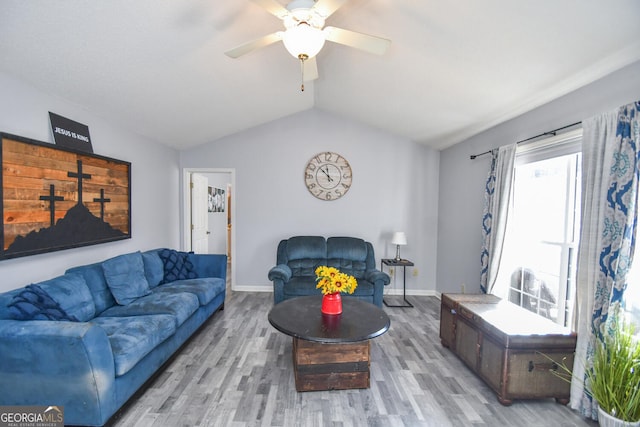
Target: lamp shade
399, 238
303, 39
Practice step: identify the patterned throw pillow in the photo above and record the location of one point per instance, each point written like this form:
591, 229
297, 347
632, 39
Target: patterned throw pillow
33, 303
176, 266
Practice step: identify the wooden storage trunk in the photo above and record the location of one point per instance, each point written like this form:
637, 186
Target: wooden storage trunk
330, 366
449, 307
509, 348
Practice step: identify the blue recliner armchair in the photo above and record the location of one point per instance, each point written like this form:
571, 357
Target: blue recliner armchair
298, 257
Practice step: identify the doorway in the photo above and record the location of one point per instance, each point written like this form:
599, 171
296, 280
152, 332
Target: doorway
220, 219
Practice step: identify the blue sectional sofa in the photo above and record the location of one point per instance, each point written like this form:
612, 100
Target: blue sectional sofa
89, 339
298, 257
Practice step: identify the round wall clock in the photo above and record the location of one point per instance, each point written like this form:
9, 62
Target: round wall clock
328, 176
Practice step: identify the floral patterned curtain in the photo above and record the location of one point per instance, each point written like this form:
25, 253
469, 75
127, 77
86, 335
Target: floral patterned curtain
497, 199
610, 172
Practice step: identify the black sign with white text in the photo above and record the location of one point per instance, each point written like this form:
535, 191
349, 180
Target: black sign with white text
70, 134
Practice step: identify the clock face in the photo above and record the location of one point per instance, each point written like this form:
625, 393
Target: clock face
328, 176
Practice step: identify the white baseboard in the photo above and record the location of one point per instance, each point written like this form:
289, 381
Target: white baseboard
252, 288
411, 292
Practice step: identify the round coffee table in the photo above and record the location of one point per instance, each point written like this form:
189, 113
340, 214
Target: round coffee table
330, 351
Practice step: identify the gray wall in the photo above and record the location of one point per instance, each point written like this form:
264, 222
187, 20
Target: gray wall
395, 188
462, 180
155, 220
435, 197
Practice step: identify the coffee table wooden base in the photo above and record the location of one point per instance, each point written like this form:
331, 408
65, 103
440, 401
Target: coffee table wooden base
330, 352
330, 366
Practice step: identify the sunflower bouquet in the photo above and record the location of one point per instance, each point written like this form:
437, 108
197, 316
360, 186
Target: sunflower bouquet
331, 280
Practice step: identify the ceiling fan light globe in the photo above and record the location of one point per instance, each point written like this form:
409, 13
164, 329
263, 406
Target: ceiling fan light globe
303, 40
300, 4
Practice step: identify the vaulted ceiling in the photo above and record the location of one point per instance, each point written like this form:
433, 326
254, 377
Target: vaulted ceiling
454, 68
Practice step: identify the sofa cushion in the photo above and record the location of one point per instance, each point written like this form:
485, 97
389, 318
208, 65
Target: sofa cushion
356, 269
181, 306
303, 247
65, 297
132, 338
176, 266
95, 280
348, 254
365, 288
153, 268
125, 277
206, 289
303, 254
306, 267
347, 248
301, 286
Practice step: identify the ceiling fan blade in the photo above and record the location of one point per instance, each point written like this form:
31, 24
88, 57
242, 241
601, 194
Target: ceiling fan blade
310, 69
326, 7
273, 7
371, 44
243, 49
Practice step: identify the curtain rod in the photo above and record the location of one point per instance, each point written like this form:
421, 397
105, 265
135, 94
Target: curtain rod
551, 132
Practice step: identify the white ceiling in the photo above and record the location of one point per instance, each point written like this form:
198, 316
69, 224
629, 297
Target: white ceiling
454, 68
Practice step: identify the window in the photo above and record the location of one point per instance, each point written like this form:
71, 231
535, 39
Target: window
538, 267
632, 293
632, 299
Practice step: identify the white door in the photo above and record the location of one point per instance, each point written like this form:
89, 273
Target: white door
199, 214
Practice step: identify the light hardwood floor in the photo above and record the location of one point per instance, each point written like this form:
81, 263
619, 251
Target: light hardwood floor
237, 372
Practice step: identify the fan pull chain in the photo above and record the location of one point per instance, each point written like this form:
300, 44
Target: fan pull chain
303, 57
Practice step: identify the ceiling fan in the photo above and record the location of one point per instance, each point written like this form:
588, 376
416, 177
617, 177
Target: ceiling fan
304, 35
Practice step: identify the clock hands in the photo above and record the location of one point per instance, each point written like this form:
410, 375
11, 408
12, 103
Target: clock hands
326, 172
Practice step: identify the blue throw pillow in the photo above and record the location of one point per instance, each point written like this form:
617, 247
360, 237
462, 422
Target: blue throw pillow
125, 277
33, 303
153, 268
176, 266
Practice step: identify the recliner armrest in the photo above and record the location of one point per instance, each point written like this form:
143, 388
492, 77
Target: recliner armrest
280, 272
377, 275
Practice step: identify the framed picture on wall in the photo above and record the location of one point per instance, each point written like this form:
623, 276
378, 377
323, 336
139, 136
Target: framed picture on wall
216, 199
56, 198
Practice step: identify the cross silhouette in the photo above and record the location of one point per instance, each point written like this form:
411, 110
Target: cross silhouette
102, 201
52, 199
80, 177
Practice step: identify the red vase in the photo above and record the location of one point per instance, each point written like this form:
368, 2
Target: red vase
331, 303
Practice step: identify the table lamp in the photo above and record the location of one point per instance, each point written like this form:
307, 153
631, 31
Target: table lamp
399, 238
